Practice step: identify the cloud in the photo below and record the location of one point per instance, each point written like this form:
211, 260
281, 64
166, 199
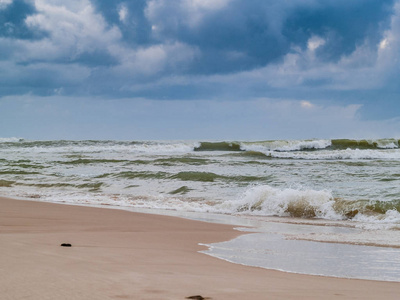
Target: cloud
264, 32
73, 30
12, 20
299, 40
313, 54
306, 104
5, 3
152, 60
371, 66
189, 13
314, 43
123, 13
389, 46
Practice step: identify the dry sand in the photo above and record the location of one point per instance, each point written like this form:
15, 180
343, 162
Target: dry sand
123, 255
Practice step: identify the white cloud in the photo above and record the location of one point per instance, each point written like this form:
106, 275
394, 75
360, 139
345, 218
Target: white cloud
389, 47
306, 104
5, 3
74, 28
384, 43
315, 42
152, 60
123, 13
169, 14
195, 10
208, 4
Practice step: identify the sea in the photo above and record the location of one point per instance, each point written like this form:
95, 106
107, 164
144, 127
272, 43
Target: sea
327, 207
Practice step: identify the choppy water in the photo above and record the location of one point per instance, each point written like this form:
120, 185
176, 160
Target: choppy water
350, 183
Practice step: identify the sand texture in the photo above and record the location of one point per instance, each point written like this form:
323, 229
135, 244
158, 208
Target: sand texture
117, 254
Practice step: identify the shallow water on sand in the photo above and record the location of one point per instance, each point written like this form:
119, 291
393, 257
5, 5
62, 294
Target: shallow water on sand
272, 249
271, 243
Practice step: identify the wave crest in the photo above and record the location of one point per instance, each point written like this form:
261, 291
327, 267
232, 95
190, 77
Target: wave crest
218, 146
286, 145
267, 200
11, 140
365, 144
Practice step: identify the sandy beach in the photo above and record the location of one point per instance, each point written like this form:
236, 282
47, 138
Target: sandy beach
117, 254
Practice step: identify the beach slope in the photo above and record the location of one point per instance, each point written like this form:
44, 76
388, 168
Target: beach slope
116, 254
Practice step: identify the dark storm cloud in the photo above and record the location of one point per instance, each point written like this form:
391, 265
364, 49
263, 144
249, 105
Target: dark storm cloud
344, 24
136, 29
250, 34
183, 49
12, 21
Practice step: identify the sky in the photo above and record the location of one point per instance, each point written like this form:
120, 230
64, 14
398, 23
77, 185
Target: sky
199, 69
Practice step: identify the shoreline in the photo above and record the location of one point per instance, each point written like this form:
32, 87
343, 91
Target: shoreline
118, 254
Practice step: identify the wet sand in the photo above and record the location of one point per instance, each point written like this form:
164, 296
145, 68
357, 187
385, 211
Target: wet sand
117, 254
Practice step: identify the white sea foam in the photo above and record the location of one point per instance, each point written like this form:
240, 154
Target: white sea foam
269, 201
179, 147
155, 201
117, 147
389, 220
297, 149
387, 144
339, 154
10, 140
288, 145
265, 200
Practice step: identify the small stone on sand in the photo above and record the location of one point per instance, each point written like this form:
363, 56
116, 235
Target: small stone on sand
198, 297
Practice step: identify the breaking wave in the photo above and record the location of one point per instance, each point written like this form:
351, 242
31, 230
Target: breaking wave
286, 145
299, 145
365, 144
286, 149
10, 140
265, 200
219, 146
98, 146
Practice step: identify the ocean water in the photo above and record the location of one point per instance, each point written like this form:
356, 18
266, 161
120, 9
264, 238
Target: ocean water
299, 194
